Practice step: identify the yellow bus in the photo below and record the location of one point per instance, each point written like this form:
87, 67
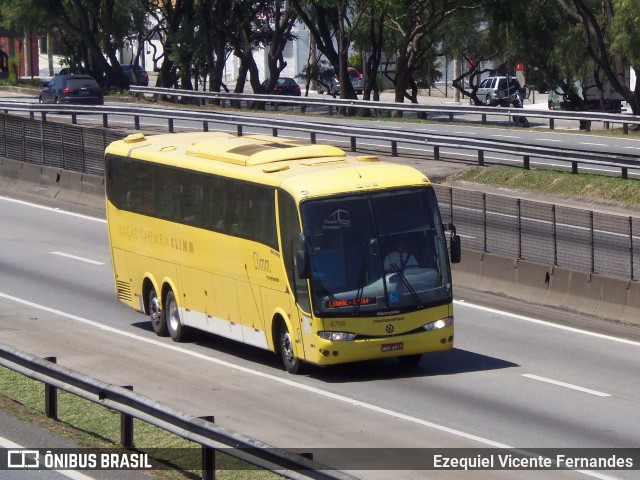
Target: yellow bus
279, 244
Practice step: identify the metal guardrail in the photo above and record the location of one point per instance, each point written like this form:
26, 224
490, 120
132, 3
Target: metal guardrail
195, 429
571, 157
451, 110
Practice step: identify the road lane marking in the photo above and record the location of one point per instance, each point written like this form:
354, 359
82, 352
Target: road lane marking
291, 383
566, 385
173, 347
56, 210
75, 257
594, 144
547, 324
74, 475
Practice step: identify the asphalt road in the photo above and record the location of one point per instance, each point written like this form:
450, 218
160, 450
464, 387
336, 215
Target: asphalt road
518, 377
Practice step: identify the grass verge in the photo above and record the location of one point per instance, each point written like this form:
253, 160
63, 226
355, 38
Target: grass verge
583, 186
90, 425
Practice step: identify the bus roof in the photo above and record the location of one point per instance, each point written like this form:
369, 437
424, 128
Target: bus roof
304, 170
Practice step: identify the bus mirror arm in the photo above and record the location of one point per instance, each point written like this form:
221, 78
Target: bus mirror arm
302, 264
455, 247
449, 227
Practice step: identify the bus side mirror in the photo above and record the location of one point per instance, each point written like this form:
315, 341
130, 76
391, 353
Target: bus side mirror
455, 248
302, 264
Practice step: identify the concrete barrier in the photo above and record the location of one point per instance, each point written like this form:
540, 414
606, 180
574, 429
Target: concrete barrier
613, 298
82, 188
537, 284
532, 283
51, 182
497, 273
30, 178
631, 310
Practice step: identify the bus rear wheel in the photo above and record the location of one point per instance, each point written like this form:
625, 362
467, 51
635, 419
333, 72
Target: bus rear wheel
177, 331
291, 363
156, 315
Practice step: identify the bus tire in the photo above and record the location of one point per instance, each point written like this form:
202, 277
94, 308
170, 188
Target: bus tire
156, 314
292, 363
177, 331
410, 359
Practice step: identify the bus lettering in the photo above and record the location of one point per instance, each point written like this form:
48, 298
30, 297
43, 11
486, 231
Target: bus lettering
260, 264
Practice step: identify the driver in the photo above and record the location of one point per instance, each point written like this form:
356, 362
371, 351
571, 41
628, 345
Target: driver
400, 258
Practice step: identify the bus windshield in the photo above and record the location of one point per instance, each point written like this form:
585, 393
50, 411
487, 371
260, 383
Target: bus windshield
376, 252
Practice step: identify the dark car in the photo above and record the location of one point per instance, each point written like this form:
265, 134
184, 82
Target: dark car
286, 86
141, 77
72, 89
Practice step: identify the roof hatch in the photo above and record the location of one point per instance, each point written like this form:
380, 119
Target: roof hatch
250, 151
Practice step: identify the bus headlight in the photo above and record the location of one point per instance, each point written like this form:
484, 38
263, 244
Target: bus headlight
438, 324
336, 336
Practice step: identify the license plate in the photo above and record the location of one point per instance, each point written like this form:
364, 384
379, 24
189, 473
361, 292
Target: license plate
84, 92
392, 347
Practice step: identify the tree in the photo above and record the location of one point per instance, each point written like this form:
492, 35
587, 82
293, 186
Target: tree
266, 24
93, 32
330, 25
27, 16
609, 39
171, 18
415, 23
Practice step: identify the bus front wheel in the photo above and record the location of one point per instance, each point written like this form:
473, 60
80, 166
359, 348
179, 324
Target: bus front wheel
156, 315
177, 331
291, 363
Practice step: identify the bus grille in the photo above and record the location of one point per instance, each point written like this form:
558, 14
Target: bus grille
123, 289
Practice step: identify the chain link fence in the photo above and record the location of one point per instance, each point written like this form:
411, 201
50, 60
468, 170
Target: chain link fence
571, 238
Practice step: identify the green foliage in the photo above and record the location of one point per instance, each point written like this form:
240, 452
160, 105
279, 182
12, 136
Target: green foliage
545, 35
355, 61
625, 27
13, 70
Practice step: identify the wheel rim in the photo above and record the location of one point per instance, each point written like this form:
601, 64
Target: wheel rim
155, 313
174, 317
287, 347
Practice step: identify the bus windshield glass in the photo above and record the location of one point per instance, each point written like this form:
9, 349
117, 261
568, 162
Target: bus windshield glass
376, 252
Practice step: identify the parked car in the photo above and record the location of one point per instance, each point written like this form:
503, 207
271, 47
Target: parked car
333, 84
285, 86
141, 76
494, 90
72, 89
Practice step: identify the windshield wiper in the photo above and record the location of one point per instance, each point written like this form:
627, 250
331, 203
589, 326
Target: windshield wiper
364, 270
406, 283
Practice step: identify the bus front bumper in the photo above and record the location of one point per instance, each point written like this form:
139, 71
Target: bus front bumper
326, 352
